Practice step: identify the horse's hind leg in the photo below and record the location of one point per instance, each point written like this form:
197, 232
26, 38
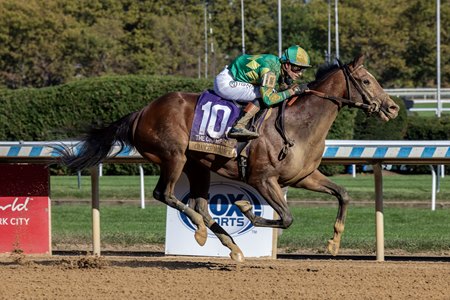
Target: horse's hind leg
199, 179
272, 193
170, 171
320, 183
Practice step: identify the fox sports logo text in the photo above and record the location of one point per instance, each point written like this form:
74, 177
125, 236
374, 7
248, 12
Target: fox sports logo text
221, 207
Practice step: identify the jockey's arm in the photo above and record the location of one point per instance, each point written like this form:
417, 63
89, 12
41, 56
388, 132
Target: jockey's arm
268, 93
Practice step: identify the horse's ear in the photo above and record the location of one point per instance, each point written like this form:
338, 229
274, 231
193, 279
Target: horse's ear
359, 60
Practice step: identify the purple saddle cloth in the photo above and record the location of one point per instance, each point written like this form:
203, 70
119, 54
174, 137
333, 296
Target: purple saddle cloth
213, 118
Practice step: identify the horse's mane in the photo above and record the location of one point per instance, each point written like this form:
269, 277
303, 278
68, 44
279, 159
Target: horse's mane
323, 71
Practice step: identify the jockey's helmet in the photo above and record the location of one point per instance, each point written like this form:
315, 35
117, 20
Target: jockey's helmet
296, 55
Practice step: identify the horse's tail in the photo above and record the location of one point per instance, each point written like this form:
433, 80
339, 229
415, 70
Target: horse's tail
97, 144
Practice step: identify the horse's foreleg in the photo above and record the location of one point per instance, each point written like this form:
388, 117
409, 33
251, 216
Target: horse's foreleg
201, 206
272, 193
320, 183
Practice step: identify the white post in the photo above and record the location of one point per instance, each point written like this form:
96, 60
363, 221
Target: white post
329, 33
433, 188
337, 27
141, 175
379, 216
438, 179
212, 46
354, 171
95, 210
280, 42
100, 170
243, 27
438, 55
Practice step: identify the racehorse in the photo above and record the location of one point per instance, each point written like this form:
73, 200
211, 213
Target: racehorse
160, 133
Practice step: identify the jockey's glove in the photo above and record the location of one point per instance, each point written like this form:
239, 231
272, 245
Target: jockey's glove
298, 89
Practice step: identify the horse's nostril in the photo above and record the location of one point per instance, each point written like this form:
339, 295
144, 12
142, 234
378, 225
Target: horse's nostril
394, 108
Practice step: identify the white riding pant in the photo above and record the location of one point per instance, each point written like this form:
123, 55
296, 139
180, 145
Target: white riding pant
226, 87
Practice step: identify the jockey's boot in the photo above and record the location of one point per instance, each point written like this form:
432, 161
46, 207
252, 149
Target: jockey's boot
238, 131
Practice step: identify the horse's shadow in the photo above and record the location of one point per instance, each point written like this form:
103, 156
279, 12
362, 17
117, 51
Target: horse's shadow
174, 265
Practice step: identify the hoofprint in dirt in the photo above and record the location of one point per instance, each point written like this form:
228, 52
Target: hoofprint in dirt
84, 277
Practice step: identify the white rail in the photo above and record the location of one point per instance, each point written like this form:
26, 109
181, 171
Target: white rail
418, 92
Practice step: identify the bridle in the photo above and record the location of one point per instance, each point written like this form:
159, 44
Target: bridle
370, 104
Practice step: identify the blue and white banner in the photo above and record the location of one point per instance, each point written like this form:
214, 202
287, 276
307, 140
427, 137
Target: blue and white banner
387, 149
391, 151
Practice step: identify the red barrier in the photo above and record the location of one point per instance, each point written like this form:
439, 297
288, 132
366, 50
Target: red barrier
24, 209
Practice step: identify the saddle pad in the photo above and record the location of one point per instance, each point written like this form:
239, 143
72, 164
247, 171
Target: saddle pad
213, 118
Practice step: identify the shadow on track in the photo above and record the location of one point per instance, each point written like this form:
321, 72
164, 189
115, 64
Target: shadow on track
400, 258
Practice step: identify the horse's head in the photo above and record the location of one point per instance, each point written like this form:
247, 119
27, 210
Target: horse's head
365, 91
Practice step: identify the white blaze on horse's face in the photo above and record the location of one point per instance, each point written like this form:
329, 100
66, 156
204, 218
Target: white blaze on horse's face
371, 85
386, 108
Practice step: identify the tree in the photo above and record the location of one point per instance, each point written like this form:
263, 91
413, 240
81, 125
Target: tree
421, 46
48, 42
30, 36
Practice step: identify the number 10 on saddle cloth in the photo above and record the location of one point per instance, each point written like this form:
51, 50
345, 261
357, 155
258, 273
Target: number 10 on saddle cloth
213, 118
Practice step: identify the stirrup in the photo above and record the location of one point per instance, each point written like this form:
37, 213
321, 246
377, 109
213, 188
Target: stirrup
242, 133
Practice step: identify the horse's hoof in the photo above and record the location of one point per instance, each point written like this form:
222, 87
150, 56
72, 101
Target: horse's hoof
237, 256
333, 247
243, 205
201, 235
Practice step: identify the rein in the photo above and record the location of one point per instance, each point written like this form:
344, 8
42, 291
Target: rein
337, 100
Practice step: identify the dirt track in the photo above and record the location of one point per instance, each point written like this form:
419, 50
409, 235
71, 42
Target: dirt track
206, 278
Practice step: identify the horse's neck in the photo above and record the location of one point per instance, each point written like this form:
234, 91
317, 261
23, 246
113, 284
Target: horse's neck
311, 116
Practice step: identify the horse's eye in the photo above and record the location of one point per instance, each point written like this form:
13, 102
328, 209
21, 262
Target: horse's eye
366, 81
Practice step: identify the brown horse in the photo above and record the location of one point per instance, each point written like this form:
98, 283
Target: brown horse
160, 133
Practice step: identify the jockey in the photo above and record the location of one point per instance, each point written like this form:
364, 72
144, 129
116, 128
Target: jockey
264, 76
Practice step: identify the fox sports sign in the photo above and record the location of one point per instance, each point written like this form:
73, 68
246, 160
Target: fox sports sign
223, 210
254, 241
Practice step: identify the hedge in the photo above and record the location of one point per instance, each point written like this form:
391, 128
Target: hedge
428, 128
62, 112
66, 111
342, 129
